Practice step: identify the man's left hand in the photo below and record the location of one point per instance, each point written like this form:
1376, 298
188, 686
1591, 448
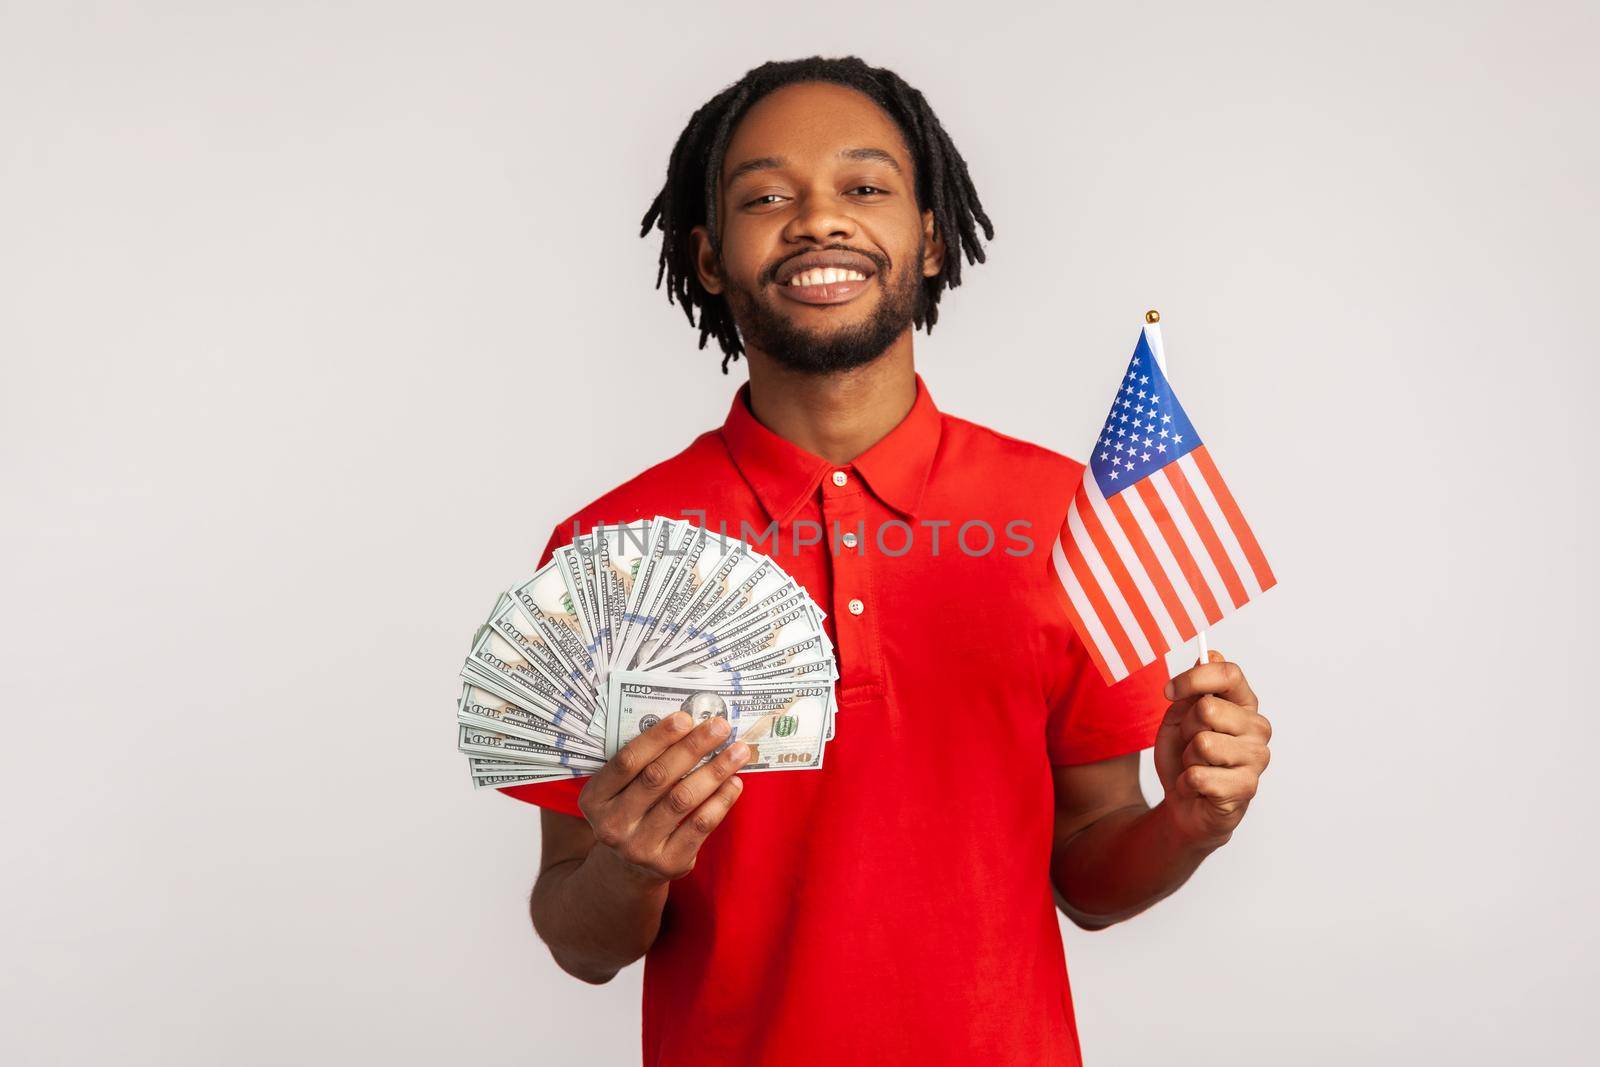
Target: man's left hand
1211, 750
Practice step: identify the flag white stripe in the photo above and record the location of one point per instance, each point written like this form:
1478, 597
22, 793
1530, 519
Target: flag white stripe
1169, 562
1131, 560
1108, 588
1152, 334
1219, 522
1080, 601
1191, 537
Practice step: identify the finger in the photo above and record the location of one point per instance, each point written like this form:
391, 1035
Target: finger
620, 770
685, 842
1225, 717
1221, 677
670, 811
1226, 787
1180, 708
1209, 749
663, 772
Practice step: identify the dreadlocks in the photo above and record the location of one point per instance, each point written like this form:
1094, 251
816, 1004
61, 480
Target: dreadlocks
689, 196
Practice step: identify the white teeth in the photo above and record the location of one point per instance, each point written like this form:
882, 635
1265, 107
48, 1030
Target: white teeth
826, 276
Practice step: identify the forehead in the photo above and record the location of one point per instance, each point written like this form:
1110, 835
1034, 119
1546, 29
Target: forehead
808, 124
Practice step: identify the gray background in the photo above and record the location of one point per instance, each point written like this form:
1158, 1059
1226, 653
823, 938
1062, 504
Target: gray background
298, 302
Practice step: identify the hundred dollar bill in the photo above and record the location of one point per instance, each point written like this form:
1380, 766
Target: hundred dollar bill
478, 741
598, 570
782, 623
496, 665
766, 578
511, 623
576, 563
482, 765
489, 778
696, 553
813, 648
480, 707
823, 672
662, 558
783, 723
807, 659
486, 765
545, 600
618, 551
733, 561
710, 630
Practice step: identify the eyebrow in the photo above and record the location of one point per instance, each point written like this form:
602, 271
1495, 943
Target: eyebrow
853, 155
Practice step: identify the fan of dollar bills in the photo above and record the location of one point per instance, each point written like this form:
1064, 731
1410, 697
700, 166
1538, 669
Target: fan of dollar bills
630, 623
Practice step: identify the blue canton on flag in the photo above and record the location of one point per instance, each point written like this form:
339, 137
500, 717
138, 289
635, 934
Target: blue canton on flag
1147, 428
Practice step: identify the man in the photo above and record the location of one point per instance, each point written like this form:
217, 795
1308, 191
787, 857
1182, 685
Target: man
894, 907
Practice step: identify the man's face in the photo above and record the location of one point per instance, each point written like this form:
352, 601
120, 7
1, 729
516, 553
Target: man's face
817, 170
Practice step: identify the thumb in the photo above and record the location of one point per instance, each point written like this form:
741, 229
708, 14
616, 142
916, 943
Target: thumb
1176, 709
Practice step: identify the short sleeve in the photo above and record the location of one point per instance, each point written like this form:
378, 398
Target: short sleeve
558, 795
1090, 720
562, 793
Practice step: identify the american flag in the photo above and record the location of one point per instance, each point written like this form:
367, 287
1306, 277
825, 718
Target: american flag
1154, 548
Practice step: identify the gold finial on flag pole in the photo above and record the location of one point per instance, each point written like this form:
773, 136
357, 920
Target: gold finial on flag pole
1152, 316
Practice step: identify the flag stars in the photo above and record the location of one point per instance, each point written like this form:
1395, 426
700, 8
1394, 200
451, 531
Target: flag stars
1134, 442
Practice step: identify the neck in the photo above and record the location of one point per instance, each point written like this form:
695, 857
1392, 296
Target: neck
835, 416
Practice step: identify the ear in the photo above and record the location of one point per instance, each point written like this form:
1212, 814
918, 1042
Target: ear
705, 259
933, 259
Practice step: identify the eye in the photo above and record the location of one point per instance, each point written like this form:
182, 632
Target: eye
757, 201
874, 188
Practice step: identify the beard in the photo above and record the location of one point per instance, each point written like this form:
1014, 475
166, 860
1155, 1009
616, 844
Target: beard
831, 349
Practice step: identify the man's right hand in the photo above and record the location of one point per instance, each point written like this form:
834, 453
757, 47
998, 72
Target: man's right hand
643, 809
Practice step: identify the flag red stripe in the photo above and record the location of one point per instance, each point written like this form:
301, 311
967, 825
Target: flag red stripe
1119, 571
1180, 550
1078, 626
1208, 534
1152, 565
1235, 517
1097, 599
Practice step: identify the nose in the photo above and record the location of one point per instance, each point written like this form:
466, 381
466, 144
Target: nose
822, 218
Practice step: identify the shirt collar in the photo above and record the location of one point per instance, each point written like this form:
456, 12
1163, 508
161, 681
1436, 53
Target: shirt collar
784, 475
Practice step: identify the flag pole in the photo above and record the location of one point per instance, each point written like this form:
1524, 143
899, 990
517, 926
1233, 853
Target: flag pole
1152, 331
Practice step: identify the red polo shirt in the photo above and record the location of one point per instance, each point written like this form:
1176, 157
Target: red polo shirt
893, 907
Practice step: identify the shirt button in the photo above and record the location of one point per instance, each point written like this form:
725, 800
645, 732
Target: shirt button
840, 477
849, 540
857, 607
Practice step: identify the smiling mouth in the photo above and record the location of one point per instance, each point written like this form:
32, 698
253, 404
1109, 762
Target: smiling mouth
826, 285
